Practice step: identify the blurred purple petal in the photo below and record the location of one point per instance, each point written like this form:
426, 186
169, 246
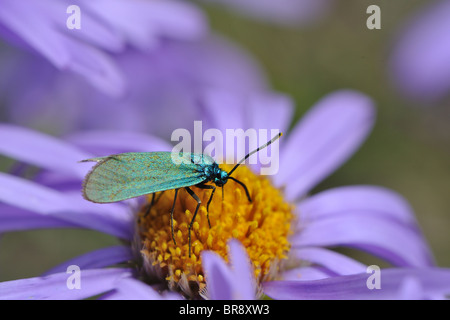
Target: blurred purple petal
411, 289
325, 138
100, 258
42, 150
99, 69
54, 287
16, 219
113, 142
106, 25
434, 283
166, 82
420, 61
332, 261
285, 12
400, 246
257, 109
37, 32
144, 23
33, 197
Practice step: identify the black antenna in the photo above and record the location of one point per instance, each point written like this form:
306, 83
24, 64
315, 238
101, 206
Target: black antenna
254, 151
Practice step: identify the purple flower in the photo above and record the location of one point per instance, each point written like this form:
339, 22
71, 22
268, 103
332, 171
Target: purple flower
420, 59
369, 218
165, 82
107, 27
160, 84
285, 12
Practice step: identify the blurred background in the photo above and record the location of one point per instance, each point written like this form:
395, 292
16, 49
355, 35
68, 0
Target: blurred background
408, 150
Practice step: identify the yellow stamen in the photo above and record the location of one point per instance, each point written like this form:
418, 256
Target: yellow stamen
262, 226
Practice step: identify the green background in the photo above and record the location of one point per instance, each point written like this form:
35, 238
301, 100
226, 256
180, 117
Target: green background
408, 150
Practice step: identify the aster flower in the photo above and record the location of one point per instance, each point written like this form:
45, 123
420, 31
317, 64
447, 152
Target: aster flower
107, 27
284, 232
421, 54
163, 82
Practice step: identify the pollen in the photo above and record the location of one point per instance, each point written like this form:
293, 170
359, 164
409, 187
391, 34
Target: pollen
262, 226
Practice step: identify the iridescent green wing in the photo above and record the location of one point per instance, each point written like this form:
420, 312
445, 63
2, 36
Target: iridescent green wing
128, 175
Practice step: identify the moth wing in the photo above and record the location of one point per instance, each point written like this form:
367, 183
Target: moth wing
128, 175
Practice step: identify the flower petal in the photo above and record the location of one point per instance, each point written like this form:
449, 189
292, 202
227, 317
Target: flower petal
326, 137
36, 32
435, 283
305, 274
399, 245
113, 142
42, 150
225, 283
109, 218
235, 114
16, 219
334, 262
104, 257
97, 67
419, 64
219, 278
143, 23
132, 289
367, 200
54, 287
242, 269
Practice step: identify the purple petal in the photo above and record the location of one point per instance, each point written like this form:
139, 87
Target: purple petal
106, 25
15, 219
368, 200
93, 30
259, 110
54, 287
433, 283
411, 289
269, 111
36, 32
219, 278
113, 142
252, 111
66, 53
325, 138
42, 150
144, 22
305, 274
332, 261
225, 283
111, 219
242, 269
132, 289
420, 60
394, 243
104, 257
97, 67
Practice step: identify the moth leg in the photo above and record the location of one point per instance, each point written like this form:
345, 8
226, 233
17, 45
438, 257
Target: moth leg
152, 202
206, 186
199, 202
243, 186
171, 216
150, 205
